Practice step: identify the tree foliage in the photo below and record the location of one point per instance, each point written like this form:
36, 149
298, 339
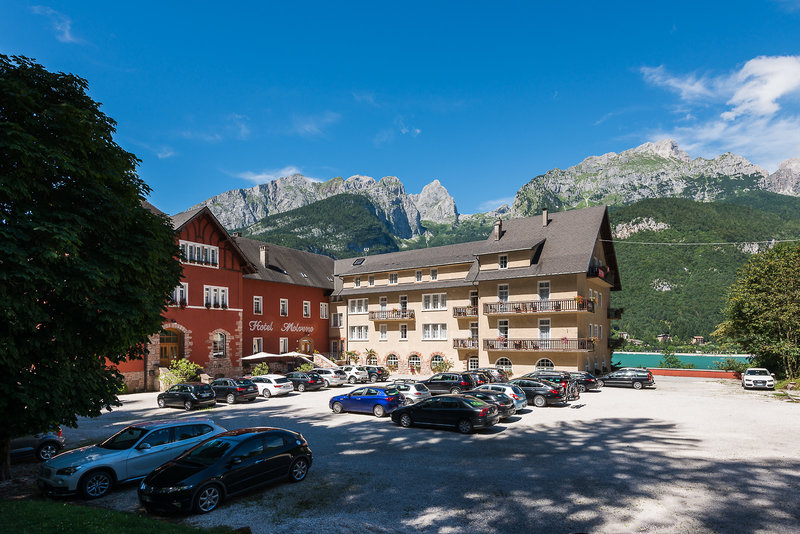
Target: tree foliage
180, 370
84, 268
763, 311
260, 369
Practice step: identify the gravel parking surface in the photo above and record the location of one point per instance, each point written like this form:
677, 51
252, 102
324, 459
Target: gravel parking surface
692, 455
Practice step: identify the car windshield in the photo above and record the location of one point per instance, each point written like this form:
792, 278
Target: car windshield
243, 382
205, 388
759, 372
124, 439
391, 392
209, 452
420, 387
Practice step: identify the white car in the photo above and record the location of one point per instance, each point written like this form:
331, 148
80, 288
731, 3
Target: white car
411, 390
355, 373
131, 453
758, 377
269, 385
515, 392
331, 377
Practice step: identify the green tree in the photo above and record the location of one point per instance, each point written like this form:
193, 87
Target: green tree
763, 311
85, 268
261, 369
180, 370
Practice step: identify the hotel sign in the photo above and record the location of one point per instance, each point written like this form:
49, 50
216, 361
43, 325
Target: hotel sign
261, 326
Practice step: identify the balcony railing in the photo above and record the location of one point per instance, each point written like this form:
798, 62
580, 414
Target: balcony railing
529, 345
391, 315
574, 304
466, 343
465, 311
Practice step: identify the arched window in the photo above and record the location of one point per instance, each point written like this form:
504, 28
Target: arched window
392, 361
472, 363
218, 345
414, 361
544, 363
436, 361
372, 360
504, 364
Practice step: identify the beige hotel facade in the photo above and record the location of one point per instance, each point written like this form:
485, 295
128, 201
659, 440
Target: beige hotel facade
534, 294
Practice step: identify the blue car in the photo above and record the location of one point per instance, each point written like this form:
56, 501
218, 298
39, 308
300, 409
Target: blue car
377, 400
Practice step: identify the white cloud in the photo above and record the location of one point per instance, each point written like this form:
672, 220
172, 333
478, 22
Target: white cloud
490, 205
388, 135
165, 152
313, 125
752, 111
268, 175
366, 97
62, 24
201, 136
239, 125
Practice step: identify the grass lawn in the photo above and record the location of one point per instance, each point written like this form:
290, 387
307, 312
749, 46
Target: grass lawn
23, 517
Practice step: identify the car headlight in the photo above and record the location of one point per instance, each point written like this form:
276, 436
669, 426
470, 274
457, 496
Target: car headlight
172, 489
67, 471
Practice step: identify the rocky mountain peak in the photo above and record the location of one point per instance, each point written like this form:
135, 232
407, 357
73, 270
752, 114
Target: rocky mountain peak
786, 180
665, 148
435, 203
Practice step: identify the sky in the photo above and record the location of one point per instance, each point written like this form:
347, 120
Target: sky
482, 96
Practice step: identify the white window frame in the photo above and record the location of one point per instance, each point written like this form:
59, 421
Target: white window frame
403, 302
502, 261
393, 278
199, 253
502, 328
283, 308
548, 323
216, 295
403, 332
358, 333
258, 344
283, 345
599, 332
473, 330
357, 281
434, 274
323, 310
383, 333
501, 290
434, 301
218, 351
371, 280
181, 292
418, 276
357, 306
336, 320
434, 332
258, 305
307, 309
473, 363
543, 284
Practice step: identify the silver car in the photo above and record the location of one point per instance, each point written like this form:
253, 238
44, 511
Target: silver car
131, 453
412, 391
515, 392
355, 373
331, 377
269, 385
44, 445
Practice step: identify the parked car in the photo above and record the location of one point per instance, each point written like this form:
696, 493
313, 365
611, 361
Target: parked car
539, 393
377, 374
463, 412
513, 391
187, 396
305, 381
586, 381
453, 383
412, 390
131, 453
635, 378
494, 374
355, 373
269, 385
233, 390
479, 378
331, 377
43, 445
377, 400
227, 464
757, 377
504, 403
566, 384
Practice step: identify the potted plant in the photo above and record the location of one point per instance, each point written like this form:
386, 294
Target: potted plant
208, 305
183, 304
224, 305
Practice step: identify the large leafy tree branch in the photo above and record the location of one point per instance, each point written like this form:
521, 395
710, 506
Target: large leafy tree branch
763, 311
84, 268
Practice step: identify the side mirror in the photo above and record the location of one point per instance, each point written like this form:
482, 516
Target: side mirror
236, 460
143, 446
773, 375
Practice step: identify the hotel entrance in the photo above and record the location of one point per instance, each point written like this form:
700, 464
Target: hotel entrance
171, 347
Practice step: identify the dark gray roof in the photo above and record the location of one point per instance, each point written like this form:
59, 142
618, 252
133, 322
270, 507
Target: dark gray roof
411, 259
179, 219
149, 207
401, 288
286, 265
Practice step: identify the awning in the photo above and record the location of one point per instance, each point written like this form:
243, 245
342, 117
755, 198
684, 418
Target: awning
259, 356
285, 355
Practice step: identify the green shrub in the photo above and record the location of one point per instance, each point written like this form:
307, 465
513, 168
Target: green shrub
181, 370
306, 367
730, 364
260, 369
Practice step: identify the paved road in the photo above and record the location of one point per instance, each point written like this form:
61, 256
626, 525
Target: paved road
692, 455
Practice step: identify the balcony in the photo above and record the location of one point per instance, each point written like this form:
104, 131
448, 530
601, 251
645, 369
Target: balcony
544, 345
466, 343
392, 315
603, 273
547, 306
615, 313
465, 311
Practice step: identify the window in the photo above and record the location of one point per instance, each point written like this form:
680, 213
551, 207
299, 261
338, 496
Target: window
599, 331
358, 261
436, 301
436, 361
434, 274
283, 345
284, 309
502, 261
504, 364
502, 328
357, 306
198, 253
473, 330
434, 331
544, 290
250, 449
473, 299
158, 437
472, 363
216, 297
383, 333
502, 292
403, 332
372, 360
544, 363
371, 280
544, 329
418, 276
357, 281
383, 303
257, 305
404, 303
392, 361
323, 310
218, 345
258, 344
359, 333
336, 320
180, 294
392, 278
599, 300
414, 361
306, 308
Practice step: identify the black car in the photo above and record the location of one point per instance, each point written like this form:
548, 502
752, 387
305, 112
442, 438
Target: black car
479, 377
449, 383
188, 395
234, 389
494, 374
539, 393
229, 463
305, 381
586, 381
566, 384
505, 404
377, 374
635, 378
461, 411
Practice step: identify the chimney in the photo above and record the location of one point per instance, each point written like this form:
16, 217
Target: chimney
498, 229
263, 251
544, 217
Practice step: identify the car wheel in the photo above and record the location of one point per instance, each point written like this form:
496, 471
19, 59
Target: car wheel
405, 420
162, 403
337, 407
266, 393
539, 401
373, 378
581, 388
326, 384
230, 399
378, 411
46, 451
600, 383
465, 426
188, 405
95, 484
352, 379
299, 469
455, 391
637, 385
208, 498
301, 387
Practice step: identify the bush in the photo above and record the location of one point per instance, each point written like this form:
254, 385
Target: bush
306, 367
260, 369
730, 364
442, 366
181, 370
670, 361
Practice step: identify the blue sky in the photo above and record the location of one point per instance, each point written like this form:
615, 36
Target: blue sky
482, 96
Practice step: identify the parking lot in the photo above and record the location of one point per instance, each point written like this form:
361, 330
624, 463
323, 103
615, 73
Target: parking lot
692, 455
